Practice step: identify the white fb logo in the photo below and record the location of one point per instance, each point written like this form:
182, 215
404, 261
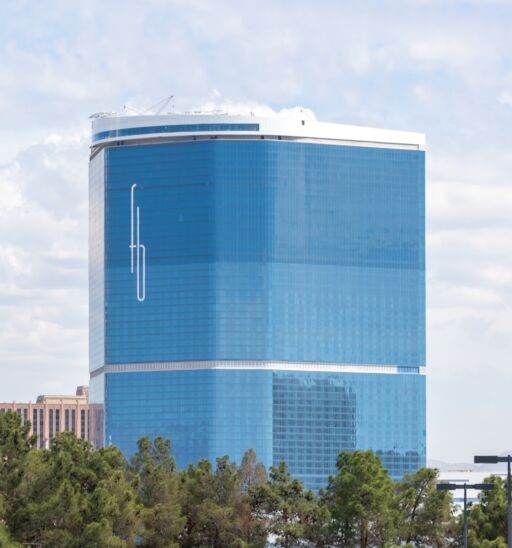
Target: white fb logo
137, 250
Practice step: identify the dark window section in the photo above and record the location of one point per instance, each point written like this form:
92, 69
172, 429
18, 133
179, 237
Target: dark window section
57, 420
66, 420
180, 128
34, 420
73, 420
51, 425
82, 423
41, 428
413, 370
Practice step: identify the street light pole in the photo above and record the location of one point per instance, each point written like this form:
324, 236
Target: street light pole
509, 504
494, 459
465, 486
465, 516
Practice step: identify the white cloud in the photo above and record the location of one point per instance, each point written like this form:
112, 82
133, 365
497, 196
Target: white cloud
217, 104
505, 98
469, 309
43, 268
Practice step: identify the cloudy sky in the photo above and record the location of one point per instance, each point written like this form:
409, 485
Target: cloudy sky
443, 67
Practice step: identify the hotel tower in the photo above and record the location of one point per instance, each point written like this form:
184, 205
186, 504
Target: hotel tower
258, 283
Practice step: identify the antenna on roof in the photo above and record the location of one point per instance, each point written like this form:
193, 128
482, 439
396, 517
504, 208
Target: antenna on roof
161, 104
128, 108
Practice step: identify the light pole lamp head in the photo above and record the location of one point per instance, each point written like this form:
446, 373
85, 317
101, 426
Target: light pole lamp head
486, 459
482, 486
447, 486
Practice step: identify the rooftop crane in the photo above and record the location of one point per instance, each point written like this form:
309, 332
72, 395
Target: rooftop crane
160, 106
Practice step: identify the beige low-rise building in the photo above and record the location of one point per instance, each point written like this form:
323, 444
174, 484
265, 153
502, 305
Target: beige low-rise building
50, 415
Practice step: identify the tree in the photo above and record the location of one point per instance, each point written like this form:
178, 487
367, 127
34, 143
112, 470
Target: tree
158, 492
287, 508
359, 498
424, 513
6, 540
488, 520
217, 506
75, 496
251, 472
15, 446
499, 542
206, 520
250, 475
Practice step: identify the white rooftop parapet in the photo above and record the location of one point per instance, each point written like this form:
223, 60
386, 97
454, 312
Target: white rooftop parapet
107, 128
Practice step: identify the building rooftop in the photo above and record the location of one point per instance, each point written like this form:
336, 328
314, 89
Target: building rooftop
108, 127
81, 395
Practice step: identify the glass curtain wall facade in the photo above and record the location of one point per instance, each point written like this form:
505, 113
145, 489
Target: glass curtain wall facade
260, 293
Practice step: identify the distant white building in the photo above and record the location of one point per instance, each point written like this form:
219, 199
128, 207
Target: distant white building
466, 473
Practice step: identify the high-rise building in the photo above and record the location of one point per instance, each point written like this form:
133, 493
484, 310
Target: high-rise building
258, 283
50, 415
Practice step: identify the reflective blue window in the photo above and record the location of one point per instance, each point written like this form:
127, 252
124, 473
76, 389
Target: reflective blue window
260, 251
316, 415
303, 418
205, 413
266, 250
176, 128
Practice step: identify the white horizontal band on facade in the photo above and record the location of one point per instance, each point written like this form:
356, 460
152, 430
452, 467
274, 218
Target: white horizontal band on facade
194, 137
260, 365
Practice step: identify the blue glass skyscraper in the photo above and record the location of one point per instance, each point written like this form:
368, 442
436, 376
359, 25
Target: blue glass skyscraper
258, 283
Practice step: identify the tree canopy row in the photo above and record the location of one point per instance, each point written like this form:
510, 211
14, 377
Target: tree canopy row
72, 496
